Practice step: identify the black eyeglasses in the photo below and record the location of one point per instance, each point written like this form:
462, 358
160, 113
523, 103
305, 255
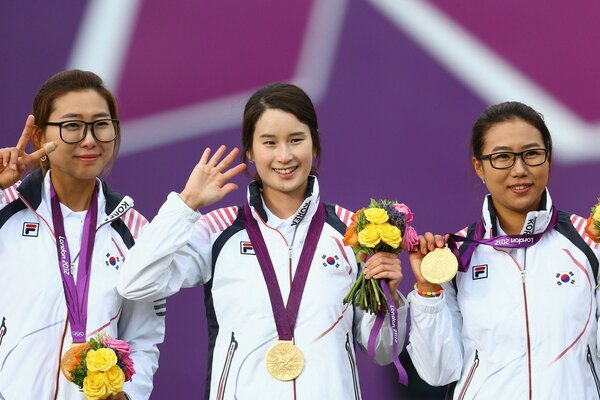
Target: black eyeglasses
74, 131
506, 159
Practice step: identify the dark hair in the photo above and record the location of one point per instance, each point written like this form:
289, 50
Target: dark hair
507, 111
285, 97
72, 81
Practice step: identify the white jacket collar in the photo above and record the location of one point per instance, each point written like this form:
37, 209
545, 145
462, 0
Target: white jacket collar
535, 222
304, 212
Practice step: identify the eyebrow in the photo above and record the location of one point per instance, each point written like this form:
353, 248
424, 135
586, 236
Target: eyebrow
533, 145
75, 115
267, 135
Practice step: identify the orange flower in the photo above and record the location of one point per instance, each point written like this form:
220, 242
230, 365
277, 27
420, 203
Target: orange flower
592, 230
355, 215
350, 237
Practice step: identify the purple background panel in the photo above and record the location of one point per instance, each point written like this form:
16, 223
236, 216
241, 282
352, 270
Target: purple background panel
550, 41
394, 122
199, 51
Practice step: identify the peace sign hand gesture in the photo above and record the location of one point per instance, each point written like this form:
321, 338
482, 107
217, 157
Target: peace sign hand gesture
14, 160
209, 180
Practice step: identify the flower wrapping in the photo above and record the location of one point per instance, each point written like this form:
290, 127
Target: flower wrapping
383, 226
592, 227
100, 367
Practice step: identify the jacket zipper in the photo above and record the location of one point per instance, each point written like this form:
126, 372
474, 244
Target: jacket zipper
233, 345
526, 322
593, 369
352, 362
474, 366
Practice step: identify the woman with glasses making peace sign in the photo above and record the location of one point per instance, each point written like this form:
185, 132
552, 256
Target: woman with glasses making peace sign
520, 319
63, 238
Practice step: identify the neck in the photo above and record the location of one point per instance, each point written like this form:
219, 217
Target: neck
283, 205
512, 224
74, 194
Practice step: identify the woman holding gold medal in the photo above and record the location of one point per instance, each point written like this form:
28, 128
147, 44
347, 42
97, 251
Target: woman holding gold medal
63, 237
275, 269
520, 320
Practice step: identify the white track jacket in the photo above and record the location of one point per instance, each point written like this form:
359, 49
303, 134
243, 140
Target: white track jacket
182, 249
519, 323
33, 313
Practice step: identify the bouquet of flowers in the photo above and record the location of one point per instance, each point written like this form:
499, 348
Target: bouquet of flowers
99, 367
384, 226
593, 223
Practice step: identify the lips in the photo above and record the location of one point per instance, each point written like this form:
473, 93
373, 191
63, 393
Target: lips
519, 188
285, 171
88, 157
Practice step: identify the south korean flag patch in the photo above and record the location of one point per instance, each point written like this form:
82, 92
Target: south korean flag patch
330, 261
112, 261
566, 278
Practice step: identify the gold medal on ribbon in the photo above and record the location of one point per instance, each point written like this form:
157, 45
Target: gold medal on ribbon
439, 266
70, 359
284, 360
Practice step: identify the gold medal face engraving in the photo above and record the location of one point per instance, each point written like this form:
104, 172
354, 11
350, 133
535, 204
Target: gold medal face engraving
70, 359
439, 266
284, 360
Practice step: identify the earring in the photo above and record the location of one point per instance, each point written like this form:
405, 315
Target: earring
483, 180
43, 158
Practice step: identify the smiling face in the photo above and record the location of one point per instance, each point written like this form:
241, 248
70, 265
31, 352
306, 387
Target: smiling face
81, 162
282, 151
517, 190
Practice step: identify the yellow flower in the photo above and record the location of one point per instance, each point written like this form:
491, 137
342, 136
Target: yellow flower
115, 378
101, 360
369, 236
390, 234
95, 386
376, 215
597, 214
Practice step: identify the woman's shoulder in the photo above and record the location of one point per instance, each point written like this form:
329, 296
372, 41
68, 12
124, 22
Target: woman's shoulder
579, 226
338, 212
221, 218
9, 194
121, 207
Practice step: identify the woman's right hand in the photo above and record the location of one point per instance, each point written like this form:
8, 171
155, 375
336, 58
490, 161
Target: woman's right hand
209, 180
427, 243
14, 160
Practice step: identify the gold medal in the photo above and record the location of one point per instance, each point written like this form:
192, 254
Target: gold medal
439, 266
70, 359
284, 360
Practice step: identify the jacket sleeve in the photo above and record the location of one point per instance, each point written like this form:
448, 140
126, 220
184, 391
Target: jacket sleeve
435, 346
363, 324
142, 325
8, 195
173, 252
597, 298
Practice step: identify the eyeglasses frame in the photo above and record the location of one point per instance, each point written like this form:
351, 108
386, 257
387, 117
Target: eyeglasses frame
115, 122
515, 156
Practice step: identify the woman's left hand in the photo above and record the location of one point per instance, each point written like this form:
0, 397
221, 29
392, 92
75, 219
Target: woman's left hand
385, 266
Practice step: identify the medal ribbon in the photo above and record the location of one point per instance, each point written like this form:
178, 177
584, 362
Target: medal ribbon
506, 241
378, 324
76, 297
285, 317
